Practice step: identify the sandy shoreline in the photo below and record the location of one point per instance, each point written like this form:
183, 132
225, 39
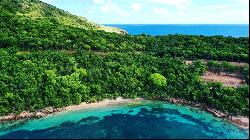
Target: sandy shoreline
50, 110
242, 122
103, 103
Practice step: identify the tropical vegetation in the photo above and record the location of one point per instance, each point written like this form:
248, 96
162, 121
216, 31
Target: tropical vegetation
49, 57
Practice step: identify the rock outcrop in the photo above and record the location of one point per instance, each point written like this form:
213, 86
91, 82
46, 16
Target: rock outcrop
28, 115
240, 121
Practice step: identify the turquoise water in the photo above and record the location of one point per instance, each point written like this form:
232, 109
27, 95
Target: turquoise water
146, 120
234, 30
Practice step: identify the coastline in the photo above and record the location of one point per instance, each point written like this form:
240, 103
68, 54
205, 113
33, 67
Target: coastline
50, 110
240, 121
104, 103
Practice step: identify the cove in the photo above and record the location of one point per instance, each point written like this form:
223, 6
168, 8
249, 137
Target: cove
146, 119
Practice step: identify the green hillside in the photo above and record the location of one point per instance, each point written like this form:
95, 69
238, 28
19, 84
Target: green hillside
49, 57
37, 10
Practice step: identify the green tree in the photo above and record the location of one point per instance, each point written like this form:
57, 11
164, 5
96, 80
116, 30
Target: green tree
158, 80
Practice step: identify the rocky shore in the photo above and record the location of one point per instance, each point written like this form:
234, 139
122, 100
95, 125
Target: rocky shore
50, 110
241, 121
29, 115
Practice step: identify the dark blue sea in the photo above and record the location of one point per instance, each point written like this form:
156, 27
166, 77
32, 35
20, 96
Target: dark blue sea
234, 30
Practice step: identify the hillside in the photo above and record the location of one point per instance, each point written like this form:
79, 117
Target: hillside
37, 10
49, 57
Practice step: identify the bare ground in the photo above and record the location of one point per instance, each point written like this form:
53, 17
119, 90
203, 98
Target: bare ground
205, 61
227, 80
188, 62
102, 53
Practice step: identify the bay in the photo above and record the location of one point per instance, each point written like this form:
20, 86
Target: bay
146, 119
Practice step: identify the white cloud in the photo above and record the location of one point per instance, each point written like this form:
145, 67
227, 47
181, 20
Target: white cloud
171, 2
98, 2
243, 2
49, 1
136, 6
160, 12
111, 8
181, 5
234, 12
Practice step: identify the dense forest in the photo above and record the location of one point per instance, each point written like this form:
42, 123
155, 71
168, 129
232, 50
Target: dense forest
49, 57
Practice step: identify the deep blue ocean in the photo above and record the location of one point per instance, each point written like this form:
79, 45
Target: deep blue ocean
234, 30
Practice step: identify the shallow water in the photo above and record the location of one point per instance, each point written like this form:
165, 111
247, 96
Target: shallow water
145, 120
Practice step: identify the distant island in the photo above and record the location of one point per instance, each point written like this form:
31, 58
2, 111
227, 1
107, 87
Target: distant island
51, 59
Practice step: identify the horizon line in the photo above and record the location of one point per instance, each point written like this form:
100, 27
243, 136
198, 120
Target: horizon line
173, 23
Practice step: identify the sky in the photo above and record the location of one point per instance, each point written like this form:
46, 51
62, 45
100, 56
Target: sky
158, 11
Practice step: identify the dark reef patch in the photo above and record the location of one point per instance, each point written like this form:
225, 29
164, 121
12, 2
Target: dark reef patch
147, 123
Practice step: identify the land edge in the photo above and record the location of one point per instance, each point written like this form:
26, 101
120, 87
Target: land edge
240, 121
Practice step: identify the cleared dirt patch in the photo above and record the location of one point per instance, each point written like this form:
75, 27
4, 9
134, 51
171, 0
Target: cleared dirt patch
22, 52
233, 63
107, 53
102, 53
227, 80
239, 63
188, 62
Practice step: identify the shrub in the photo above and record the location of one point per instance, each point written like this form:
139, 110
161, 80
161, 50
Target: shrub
158, 80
